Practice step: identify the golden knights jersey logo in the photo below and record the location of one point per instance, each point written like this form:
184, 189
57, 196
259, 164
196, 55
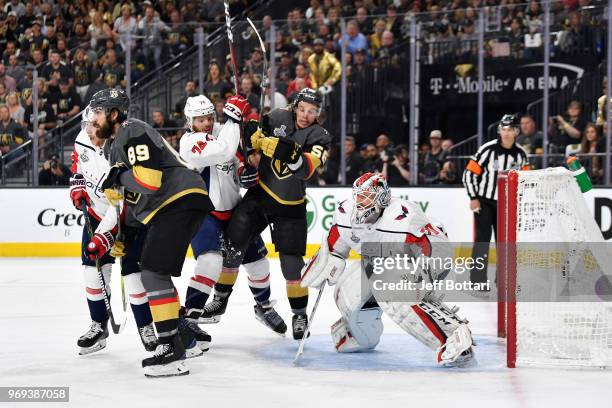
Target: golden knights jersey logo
280, 169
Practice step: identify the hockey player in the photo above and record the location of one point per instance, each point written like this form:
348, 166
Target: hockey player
90, 167
212, 151
164, 194
293, 146
373, 216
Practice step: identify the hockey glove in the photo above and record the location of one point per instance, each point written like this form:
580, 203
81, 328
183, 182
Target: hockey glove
118, 249
236, 108
256, 139
113, 196
281, 149
114, 173
99, 245
78, 192
248, 176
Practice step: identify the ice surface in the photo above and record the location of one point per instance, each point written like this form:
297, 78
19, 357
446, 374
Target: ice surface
43, 311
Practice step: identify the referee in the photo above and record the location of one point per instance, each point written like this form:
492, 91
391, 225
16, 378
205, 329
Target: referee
480, 180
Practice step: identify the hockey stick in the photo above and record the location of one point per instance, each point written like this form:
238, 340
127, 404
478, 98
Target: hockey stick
307, 331
230, 38
116, 327
124, 300
264, 75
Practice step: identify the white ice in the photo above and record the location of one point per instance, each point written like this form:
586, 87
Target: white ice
43, 311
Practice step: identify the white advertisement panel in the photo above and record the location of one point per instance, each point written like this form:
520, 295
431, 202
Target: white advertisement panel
47, 216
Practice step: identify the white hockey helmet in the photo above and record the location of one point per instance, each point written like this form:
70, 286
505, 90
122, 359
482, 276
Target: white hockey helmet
197, 106
371, 195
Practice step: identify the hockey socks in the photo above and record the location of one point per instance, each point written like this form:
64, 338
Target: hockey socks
93, 291
207, 271
164, 304
298, 297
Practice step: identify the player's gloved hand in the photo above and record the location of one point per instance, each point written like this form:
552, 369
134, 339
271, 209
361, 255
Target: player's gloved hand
114, 173
236, 108
99, 245
118, 249
78, 192
281, 149
323, 266
113, 195
256, 139
248, 176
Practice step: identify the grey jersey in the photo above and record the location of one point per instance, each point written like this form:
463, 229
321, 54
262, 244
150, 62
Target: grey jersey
288, 186
157, 175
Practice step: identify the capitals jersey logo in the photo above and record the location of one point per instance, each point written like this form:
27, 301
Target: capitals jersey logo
403, 215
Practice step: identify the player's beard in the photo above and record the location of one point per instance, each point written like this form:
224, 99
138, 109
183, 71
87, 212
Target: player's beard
105, 131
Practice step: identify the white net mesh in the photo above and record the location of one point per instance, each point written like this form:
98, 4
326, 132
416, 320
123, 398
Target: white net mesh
561, 319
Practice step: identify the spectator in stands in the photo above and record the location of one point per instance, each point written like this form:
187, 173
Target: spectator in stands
80, 36
15, 109
593, 143
516, 38
82, 72
97, 85
383, 143
34, 39
448, 174
434, 159
395, 166
300, 73
299, 84
325, 69
50, 37
8, 81
279, 100
246, 90
46, 118
354, 39
216, 87
13, 28
181, 35
36, 58
3, 94
151, 27
11, 49
530, 137
54, 173
12, 134
386, 56
68, 102
125, 24
62, 49
160, 122
575, 37
447, 144
16, 7
219, 104
375, 39
114, 73
566, 130
393, 21
371, 160
54, 70
26, 81
190, 90
27, 19
99, 31
254, 65
14, 69
353, 160
60, 26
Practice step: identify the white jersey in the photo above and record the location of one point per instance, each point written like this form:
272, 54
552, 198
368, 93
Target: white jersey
214, 156
401, 221
89, 160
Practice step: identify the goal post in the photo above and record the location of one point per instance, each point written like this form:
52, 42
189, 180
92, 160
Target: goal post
552, 273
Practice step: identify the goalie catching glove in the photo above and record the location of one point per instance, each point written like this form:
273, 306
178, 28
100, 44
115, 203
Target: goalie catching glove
323, 266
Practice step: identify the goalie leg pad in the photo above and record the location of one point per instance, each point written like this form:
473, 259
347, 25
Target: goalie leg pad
433, 324
360, 327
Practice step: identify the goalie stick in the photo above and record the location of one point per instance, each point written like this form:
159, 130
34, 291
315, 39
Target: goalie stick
117, 328
230, 38
264, 75
307, 331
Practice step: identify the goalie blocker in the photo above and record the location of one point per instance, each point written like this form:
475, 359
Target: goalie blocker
360, 327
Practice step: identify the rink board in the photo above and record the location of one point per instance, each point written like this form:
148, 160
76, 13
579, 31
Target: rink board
43, 222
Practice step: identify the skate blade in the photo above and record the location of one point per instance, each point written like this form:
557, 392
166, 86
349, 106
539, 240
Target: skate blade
173, 369
260, 320
96, 347
209, 320
193, 352
204, 345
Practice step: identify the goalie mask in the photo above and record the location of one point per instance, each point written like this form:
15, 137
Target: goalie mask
197, 106
371, 195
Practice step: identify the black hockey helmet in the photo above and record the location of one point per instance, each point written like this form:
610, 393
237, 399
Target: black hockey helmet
109, 99
309, 95
508, 120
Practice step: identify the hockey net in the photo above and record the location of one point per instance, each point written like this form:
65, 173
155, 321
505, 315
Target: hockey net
552, 282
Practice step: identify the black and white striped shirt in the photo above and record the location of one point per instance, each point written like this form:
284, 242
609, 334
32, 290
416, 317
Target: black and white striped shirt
480, 175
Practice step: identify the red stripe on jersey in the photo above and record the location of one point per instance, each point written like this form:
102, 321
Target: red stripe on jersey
93, 291
164, 301
332, 237
240, 156
138, 295
204, 280
75, 160
145, 185
222, 215
422, 242
431, 325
